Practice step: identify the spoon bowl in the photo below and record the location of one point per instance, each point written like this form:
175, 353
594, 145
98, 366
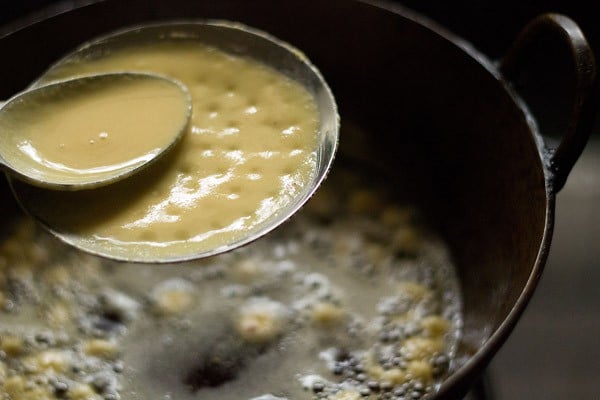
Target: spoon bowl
76, 133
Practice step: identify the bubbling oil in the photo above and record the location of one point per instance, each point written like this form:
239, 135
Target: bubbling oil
353, 298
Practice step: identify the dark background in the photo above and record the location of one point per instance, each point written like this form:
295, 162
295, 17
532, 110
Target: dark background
554, 353
489, 25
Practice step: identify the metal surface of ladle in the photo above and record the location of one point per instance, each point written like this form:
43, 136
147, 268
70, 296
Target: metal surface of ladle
238, 40
19, 114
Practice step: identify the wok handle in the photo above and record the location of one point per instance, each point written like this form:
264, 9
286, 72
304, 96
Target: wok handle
560, 159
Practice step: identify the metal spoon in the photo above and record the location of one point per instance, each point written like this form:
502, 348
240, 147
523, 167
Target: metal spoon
20, 156
236, 39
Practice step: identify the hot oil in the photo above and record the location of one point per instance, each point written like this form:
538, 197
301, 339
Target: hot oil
353, 298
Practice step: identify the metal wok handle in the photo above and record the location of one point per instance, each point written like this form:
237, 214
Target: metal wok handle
560, 159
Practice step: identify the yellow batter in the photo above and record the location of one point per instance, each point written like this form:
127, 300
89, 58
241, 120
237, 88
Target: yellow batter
93, 130
249, 151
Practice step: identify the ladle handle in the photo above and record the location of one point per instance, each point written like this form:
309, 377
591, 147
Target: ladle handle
560, 159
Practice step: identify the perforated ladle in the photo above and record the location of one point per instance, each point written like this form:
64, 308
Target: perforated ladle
238, 40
